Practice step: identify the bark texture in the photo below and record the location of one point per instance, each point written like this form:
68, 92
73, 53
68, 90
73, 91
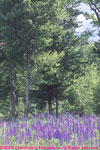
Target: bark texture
96, 10
27, 87
28, 57
50, 107
12, 92
56, 107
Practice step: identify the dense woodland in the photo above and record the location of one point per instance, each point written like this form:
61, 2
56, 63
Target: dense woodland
45, 65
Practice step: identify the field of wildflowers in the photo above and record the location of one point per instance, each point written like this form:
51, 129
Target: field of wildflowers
46, 130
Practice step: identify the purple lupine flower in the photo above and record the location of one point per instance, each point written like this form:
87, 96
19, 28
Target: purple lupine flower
30, 134
26, 140
7, 142
3, 139
32, 126
98, 127
23, 135
73, 126
16, 139
92, 133
68, 138
7, 133
14, 130
45, 134
64, 129
95, 135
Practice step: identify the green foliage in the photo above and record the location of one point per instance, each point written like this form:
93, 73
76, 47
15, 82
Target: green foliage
20, 108
48, 78
81, 94
97, 98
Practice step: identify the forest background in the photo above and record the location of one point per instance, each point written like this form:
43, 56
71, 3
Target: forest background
45, 65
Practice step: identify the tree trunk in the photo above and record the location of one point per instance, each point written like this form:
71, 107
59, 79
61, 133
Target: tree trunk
16, 93
16, 90
96, 10
56, 107
50, 107
12, 93
27, 87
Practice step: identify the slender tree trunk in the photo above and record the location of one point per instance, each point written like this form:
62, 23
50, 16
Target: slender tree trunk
27, 87
12, 92
56, 107
16, 90
50, 107
16, 93
96, 10
28, 57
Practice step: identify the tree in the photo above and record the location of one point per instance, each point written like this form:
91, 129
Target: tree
95, 16
48, 79
38, 37
23, 31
